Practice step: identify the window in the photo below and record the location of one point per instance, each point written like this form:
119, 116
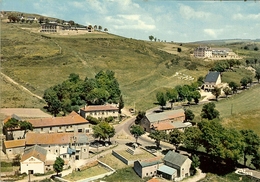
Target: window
50, 128
60, 127
146, 174
80, 130
41, 129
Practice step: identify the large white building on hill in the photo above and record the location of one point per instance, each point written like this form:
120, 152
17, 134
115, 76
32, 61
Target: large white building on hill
214, 53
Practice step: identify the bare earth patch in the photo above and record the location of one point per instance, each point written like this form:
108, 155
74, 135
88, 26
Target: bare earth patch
25, 112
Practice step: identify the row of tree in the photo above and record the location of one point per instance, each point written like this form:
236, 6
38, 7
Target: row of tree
14, 123
222, 144
75, 92
179, 93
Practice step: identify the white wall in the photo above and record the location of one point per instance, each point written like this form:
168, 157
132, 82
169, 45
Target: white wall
32, 164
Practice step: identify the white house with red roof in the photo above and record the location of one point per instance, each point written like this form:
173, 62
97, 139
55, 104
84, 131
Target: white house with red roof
99, 111
72, 123
164, 121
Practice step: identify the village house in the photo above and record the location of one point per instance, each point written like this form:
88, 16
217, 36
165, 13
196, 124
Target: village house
176, 161
214, 53
211, 80
61, 144
164, 121
33, 160
65, 145
99, 111
49, 27
13, 147
148, 167
71, 123
36, 159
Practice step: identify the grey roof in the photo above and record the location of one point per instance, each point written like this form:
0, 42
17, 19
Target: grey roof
178, 124
167, 170
212, 76
36, 148
175, 158
150, 162
16, 117
81, 138
164, 115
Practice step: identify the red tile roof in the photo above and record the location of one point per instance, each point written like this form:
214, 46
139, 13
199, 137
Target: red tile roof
72, 118
163, 126
36, 152
14, 143
153, 180
99, 108
48, 138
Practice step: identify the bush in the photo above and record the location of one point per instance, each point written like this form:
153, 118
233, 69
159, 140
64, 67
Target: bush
93, 120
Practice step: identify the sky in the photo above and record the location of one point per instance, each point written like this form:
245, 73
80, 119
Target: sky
167, 20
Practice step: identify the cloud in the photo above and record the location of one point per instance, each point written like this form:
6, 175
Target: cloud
133, 21
240, 16
189, 13
214, 33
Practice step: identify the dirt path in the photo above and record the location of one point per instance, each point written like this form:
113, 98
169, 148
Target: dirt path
20, 86
200, 175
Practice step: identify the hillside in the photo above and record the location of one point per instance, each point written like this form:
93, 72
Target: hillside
38, 61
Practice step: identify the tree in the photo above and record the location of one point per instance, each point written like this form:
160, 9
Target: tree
200, 81
216, 92
257, 74
137, 131
105, 29
192, 138
161, 98
220, 142
233, 86
195, 162
155, 39
157, 136
53, 102
25, 125
196, 96
95, 27
41, 20
58, 165
251, 143
151, 38
256, 160
178, 49
227, 91
11, 124
139, 117
120, 104
172, 96
103, 131
244, 82
100, 28
189, 116
176, 138
209, 112
231, 63
71, 22
256, 49
92, 120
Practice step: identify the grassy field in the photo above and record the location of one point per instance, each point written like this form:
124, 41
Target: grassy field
243, 102
113, 162
139, 66
87, 173
142, 155
38, 61
124, 175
